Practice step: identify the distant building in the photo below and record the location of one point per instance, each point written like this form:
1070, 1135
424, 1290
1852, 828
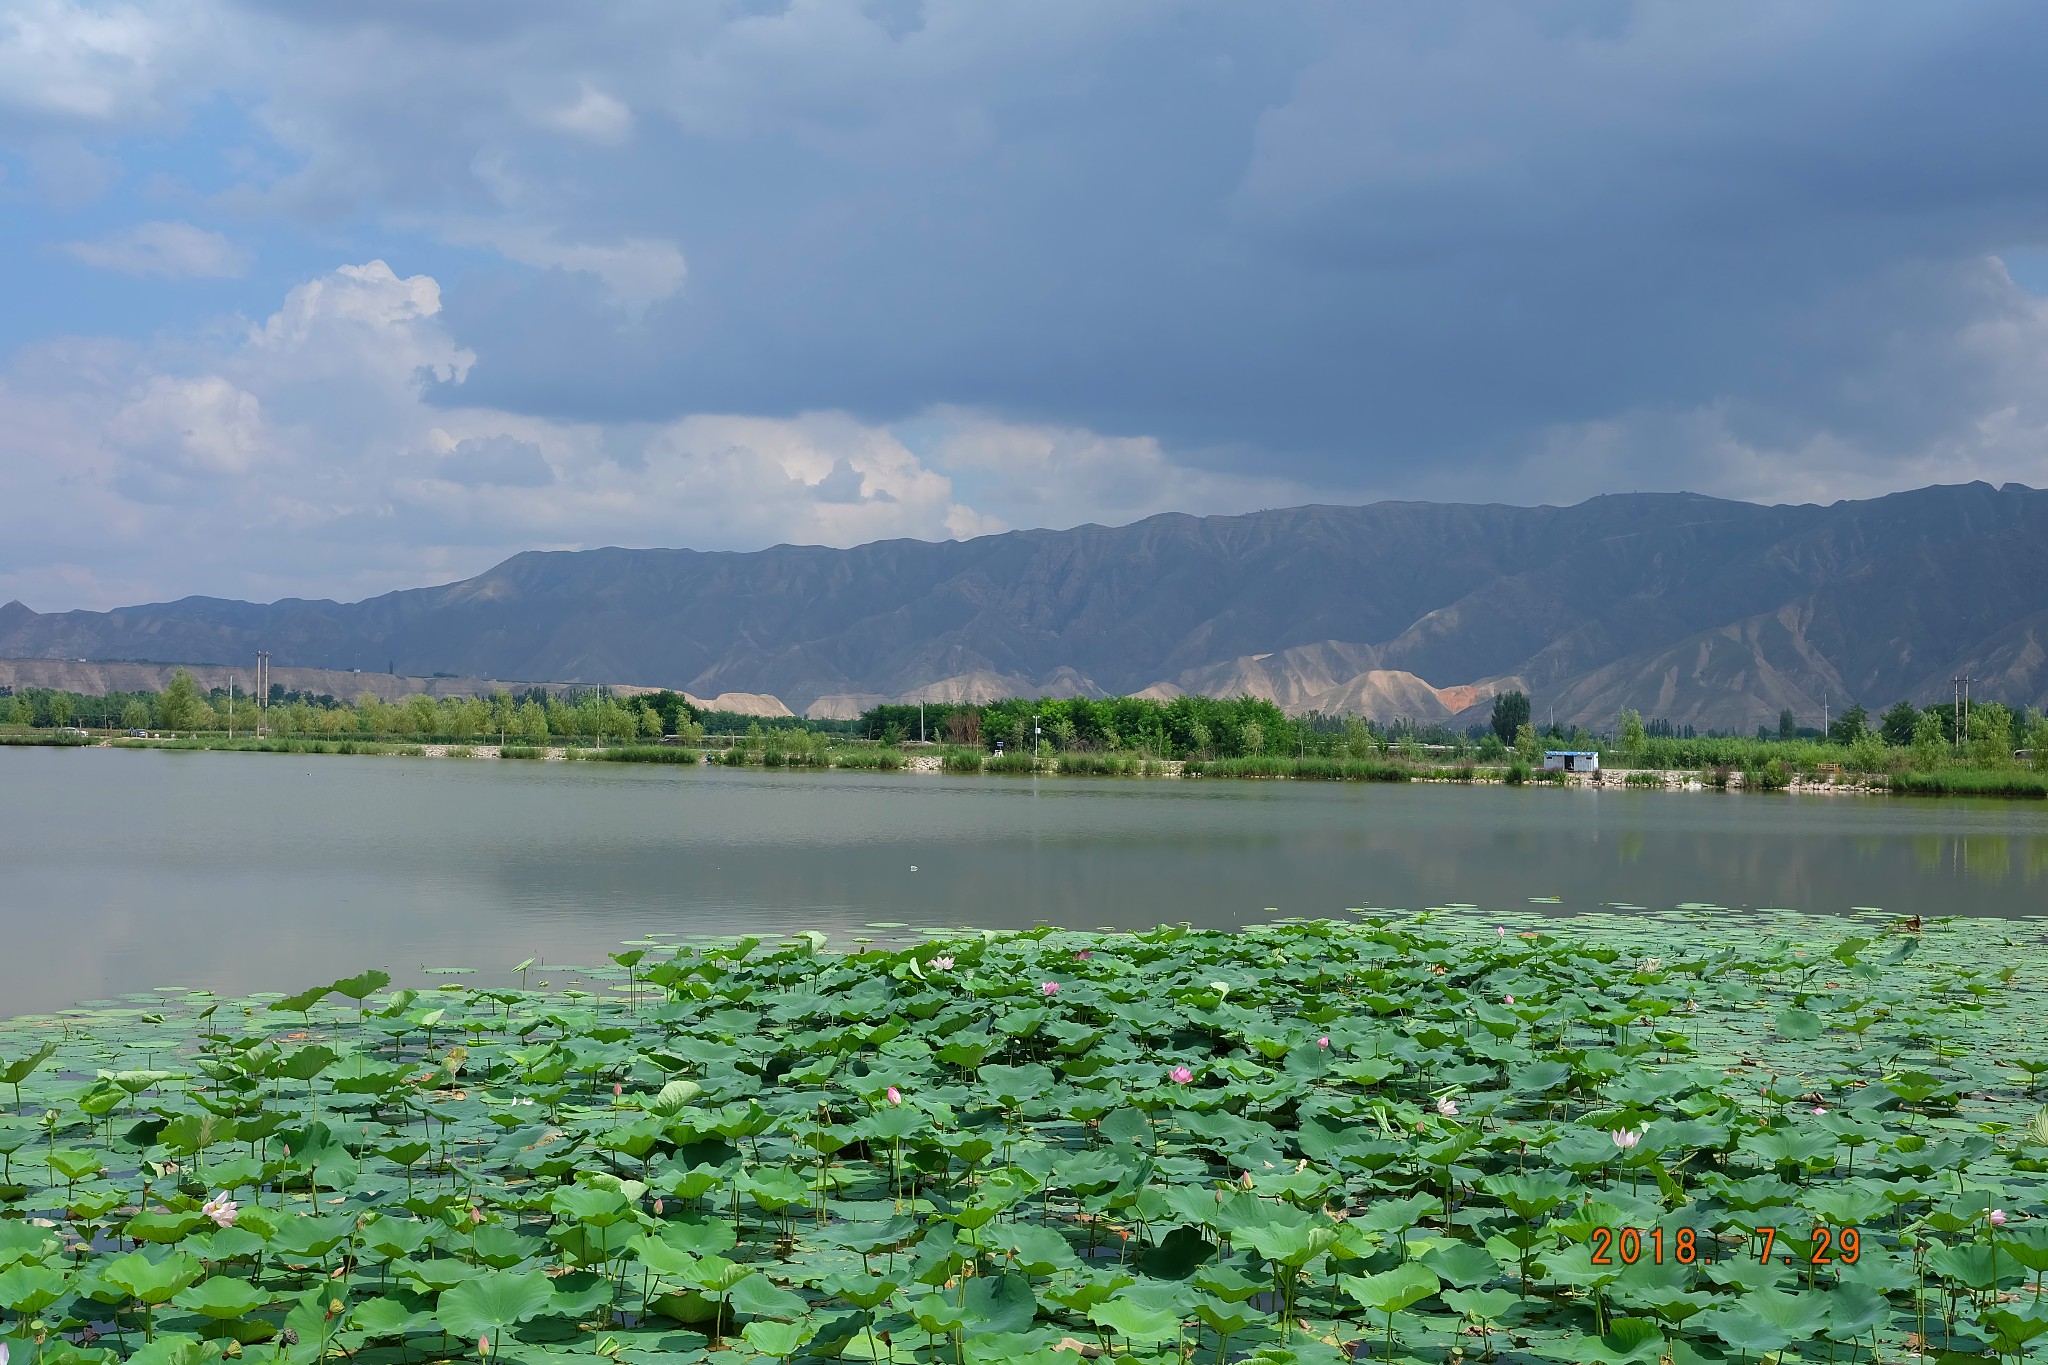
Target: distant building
1571, 761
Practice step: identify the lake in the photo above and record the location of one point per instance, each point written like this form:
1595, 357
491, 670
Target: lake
121, 871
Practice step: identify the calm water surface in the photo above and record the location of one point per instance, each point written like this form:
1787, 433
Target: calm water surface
121, 870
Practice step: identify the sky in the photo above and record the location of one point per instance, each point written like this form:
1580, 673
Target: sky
329, 300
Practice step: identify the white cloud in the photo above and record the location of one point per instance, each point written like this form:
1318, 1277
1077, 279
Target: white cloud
593, 115
203, 424
83, 63
306, 455
1045, 475
172, 250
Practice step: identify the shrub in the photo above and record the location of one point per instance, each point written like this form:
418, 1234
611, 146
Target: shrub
735, 757
1643, 779
1771, 777
960, 759
522, 751
1011, 763
1517, 773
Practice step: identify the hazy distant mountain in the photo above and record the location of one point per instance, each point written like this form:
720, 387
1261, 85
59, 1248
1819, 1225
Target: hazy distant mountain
1704, 611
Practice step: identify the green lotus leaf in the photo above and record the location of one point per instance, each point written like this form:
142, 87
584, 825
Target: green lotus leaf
380, 1319
20, 1241
1461, 1263
222, 1298
780, 1340
491, 1305
28, 1289
760, 1297
1393, 1290
151, 1281
1135, 1321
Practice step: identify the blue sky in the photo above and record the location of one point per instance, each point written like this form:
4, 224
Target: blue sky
328, 300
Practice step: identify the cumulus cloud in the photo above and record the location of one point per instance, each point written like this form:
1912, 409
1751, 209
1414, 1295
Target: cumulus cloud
171, 250
318, 451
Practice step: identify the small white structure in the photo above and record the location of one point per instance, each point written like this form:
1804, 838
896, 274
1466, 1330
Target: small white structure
1571, 761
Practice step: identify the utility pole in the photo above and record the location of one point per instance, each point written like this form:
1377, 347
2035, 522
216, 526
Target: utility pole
262, 688
1823, 713
1962, 686
920, 722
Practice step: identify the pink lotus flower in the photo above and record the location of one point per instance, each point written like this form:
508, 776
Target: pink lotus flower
1507, 1000
1819, 1109
1997, 1218
1048, 988
1500, 931
1083, 954
942, 963
657, 1208
1447, 1106
1625, 1140
221, 1209
895, 1095
617, 1090
1324, 1041
483, 1346
1181, 1075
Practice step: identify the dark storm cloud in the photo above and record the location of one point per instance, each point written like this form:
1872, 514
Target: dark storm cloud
1353, 235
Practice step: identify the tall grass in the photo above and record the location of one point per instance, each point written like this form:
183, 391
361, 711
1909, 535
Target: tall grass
1011, 763
868, 760
960, 759
1321, 769
45, 741
522, 751
650, 753
1971, 782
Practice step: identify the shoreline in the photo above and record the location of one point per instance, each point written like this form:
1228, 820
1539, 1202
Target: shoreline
1088, 765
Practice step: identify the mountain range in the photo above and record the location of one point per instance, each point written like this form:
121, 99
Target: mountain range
1699, 610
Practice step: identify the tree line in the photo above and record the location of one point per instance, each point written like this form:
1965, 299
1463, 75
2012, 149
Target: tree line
534, 716
1186, 727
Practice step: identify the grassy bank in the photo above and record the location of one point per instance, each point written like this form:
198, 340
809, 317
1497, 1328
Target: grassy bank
1308, 1143
1972, 782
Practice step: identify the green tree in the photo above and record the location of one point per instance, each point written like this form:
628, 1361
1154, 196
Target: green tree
1896, 725
1525, 743
1629, 726
181, 707
1788, 728
1510, 713
1991, 743
1848, 727
532, 726
61, 708
1929, 739
135, 715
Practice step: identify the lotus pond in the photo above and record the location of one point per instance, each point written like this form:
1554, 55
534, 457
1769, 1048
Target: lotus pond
1622, 1140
